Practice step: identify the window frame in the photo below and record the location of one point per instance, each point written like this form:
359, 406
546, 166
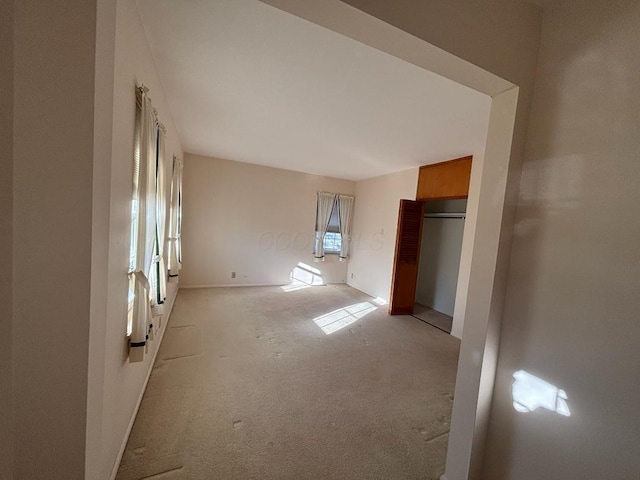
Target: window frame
332, 245
332, 240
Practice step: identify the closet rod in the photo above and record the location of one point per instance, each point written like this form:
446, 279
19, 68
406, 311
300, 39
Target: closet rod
445, 215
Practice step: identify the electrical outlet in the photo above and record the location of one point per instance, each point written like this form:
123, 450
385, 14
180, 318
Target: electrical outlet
353, 275
233, 274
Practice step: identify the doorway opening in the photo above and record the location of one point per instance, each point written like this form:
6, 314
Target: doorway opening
485, 249
439, 262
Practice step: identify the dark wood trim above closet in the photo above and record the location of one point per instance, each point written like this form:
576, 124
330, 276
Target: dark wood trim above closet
445, 181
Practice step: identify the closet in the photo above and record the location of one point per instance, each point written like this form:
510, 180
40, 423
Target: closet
429, 243
439, 261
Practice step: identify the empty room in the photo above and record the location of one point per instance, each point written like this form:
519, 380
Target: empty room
328, 239
280, 359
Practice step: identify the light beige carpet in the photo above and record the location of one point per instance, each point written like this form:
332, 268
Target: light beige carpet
248, 386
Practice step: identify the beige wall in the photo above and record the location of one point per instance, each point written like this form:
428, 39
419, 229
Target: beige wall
375, 221
253, 220
571, 315
54, 53
6, 237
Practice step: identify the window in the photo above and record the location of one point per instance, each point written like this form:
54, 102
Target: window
332, 242
175, 219
140, 325
133, 250
332, 239
159, 290
333, 225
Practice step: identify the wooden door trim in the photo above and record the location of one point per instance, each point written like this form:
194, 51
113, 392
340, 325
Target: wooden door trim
412, 268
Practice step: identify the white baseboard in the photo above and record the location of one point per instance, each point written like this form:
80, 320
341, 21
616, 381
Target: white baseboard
224, 285
114, 471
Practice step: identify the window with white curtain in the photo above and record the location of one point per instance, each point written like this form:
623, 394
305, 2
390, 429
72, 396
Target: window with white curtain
332, 241
159, 290
133, 247
344, 203
175, 220
324, 208
144, 218
333, 225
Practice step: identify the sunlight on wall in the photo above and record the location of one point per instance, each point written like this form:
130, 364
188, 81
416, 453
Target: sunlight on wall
338, 319
303, 276
530, 392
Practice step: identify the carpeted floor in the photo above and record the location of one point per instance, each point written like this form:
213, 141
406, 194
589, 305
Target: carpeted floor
278, 383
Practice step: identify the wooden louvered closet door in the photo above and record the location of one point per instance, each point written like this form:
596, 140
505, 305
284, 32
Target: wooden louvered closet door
405, 273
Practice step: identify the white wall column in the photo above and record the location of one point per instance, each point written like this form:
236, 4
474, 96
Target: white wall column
485, 298
54, 80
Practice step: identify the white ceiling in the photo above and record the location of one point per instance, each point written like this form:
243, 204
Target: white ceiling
248, 82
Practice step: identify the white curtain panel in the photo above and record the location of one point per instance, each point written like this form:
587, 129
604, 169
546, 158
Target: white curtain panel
175, 219
345, 209
323, 215
160, 291
152, 274
146, 227
179, 216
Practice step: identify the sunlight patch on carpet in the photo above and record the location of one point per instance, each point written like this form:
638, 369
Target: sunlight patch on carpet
338, 319
295, 285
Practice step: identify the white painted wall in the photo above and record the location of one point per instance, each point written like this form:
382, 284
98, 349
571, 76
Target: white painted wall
573, 303
102, 160
439, 263
468, 241
253, 220
375, 221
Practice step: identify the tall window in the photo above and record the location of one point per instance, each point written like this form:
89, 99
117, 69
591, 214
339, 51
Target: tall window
133, 248
333, 225
143, 226
332, 239
175, 220
159, 269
